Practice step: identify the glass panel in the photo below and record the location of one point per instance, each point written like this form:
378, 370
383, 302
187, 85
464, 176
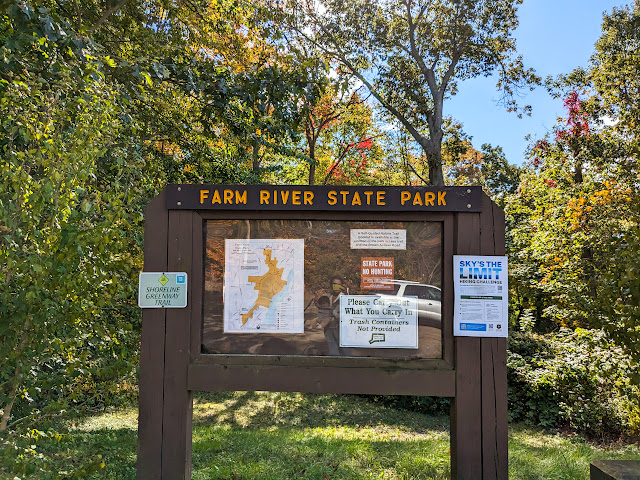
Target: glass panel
269, 291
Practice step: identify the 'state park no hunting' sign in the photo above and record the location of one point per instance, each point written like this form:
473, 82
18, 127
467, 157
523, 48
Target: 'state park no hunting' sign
332, 289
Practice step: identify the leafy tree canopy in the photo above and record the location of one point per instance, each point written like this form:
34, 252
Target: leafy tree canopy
411, 55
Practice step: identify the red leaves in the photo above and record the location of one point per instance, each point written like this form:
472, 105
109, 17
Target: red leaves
365, 144
362, 146
578, 120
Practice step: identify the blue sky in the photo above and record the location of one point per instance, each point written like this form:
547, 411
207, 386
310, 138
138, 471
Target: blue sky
554, 36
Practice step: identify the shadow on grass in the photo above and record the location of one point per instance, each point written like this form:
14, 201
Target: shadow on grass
117, 448
249, 435
105, 453
289, 436
260, 409
537, 455
245, 435
288, 453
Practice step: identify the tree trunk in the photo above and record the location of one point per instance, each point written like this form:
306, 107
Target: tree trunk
436, 177
256, 157
577, 173
433, 151
17, 378
312, 164
13, 394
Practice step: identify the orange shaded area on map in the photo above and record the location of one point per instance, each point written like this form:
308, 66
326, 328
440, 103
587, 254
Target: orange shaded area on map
267, 285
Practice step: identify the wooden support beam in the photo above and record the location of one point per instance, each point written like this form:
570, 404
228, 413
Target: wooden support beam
178, 401
151, 396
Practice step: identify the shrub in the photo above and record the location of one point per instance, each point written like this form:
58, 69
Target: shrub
415, 403
572, 379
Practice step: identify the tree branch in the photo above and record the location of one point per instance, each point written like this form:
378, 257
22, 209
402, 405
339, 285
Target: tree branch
337, 162
416, 173
415, 54
452, 67
106, 14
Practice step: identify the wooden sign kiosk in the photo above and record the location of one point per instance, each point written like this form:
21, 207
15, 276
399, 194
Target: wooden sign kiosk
197, 349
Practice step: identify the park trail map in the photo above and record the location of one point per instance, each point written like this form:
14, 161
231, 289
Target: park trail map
264, 286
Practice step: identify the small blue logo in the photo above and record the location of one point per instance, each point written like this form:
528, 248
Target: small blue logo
476, 327
181, 279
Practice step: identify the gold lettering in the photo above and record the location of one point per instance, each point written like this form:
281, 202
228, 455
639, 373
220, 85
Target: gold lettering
404, 196
285, 196
368, 195
417, 199
429, 197
332, 197
228, 196
356, 199
264, 197
344, 196
216, 197
241, 197
308, 198
380, 198
295, 197
203, 194
441, 200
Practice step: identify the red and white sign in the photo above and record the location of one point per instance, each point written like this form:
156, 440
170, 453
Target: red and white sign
376, 273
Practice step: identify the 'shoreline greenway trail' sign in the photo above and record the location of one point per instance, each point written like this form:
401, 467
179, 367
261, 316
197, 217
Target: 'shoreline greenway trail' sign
162, 290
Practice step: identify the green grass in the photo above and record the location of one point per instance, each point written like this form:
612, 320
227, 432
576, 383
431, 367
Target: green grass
245, 435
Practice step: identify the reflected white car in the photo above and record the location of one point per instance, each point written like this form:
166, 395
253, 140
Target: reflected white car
429, 300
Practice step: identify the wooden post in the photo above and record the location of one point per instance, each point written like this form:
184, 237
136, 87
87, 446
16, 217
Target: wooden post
178, 402
466, 407
479, 419
151, 381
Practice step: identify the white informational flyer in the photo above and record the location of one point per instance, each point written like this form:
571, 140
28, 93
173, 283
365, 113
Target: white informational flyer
264, 286
378, 321
481, 290
378, 239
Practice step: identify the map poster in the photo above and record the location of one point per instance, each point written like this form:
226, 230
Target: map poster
481, 288
376, 273
264, 286
378, 321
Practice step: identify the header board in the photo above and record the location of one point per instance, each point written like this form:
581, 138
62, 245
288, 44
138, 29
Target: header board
324, 198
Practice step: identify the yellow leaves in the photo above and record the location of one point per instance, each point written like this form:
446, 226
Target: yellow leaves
168, 148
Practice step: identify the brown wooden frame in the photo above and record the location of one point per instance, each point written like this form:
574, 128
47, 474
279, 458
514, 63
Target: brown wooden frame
472, 370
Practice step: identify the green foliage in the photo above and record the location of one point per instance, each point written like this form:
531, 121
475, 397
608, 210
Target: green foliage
487, 168
573, 379
573, 224
67, 251
92, 129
